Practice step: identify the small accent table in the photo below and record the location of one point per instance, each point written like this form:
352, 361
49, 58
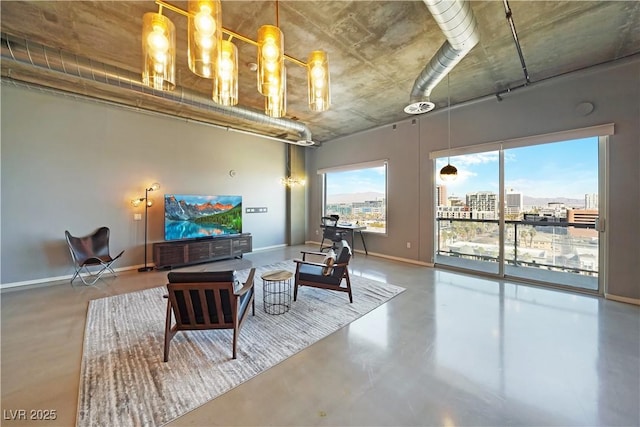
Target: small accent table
276, 291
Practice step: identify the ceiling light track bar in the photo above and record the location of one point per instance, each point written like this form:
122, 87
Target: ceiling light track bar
232, 33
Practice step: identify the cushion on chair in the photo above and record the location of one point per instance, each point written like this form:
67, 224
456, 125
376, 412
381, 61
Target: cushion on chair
313, 273
329, 260
202, 276
207, 276
344, 252
199, 316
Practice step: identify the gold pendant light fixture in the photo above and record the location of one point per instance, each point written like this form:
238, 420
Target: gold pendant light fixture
225, 84
275, 100
272, 74
212, 57
449, 172
158, 51
318, 81
204, 37
270, 58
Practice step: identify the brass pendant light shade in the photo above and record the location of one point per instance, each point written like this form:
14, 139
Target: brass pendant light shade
275, 102
270, 59
158, 52
204, 34
225, 85
318, 81
448, 173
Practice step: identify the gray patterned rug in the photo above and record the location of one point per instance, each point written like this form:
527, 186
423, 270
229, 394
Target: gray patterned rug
124, 382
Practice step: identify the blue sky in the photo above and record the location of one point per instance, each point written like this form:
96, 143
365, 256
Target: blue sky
359, 181
566, 169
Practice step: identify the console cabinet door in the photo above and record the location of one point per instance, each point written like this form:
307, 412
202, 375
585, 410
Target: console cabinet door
176, 254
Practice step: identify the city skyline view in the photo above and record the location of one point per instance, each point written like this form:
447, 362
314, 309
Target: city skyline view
369, 180
564, 169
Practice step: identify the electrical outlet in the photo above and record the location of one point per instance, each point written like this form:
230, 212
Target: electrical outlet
408, 245
317, 233
137, 217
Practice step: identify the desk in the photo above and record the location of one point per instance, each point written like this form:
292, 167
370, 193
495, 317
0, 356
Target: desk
351, 230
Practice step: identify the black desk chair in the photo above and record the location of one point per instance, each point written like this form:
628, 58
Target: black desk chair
331, 232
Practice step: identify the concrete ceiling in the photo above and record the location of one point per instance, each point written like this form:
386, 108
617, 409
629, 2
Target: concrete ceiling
376, 50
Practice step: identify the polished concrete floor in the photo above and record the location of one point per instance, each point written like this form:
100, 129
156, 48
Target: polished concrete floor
453, 350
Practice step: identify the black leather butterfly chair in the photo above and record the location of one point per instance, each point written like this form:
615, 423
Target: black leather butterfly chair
206, 300
324, 275
331, 232
91, 251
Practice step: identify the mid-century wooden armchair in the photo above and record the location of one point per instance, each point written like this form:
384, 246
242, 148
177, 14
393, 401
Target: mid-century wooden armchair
325, 275
207, 300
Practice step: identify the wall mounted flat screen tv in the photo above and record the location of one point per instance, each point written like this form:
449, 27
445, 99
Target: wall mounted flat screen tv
189, 216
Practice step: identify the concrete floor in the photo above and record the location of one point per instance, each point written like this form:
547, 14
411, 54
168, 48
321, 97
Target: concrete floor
453, 350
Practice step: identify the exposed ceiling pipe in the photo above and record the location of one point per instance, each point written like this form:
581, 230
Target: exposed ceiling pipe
40, 56
459, 25
512, 26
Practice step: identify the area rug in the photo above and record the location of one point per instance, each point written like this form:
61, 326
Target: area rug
124, 382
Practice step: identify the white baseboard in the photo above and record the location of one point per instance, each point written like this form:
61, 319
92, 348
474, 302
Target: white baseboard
394, 258
67, 277
265, 248
627, 300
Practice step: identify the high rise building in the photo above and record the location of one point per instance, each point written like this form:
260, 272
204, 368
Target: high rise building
455, 201
591, 201
513, 202
441, 195
483, 201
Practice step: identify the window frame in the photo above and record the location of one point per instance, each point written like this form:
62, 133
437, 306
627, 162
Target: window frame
356, 167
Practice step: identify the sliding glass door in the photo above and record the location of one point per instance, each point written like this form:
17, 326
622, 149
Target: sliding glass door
550, 234
468, 214
527, 211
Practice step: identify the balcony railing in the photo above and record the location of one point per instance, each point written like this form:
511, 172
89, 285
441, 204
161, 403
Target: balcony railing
545, 245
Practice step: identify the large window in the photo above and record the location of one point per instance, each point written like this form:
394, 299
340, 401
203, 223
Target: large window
358, 194
527, 208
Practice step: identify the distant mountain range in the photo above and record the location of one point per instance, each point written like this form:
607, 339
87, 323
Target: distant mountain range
179, 210
527, 200
354, 197
544, 201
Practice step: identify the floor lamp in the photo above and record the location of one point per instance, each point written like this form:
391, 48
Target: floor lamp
147, 204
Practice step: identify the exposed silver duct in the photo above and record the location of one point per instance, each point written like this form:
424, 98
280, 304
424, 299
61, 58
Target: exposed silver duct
458, 23
37, 55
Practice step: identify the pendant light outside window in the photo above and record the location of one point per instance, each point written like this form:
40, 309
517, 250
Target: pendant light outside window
225, 85
204, 34
158, 52
449, 172
318, 81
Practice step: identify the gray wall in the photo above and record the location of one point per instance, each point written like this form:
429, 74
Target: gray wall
74, 165
542, 108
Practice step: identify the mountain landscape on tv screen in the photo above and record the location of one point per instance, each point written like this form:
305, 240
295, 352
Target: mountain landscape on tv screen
191, 216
